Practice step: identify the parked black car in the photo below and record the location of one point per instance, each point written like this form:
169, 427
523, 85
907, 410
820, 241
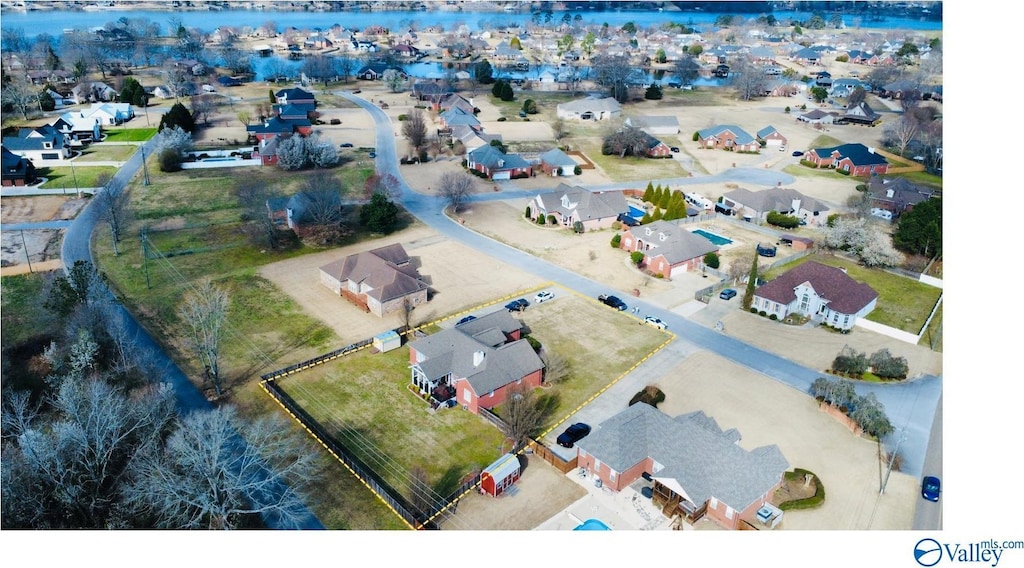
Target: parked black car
627, 220
465, 319
573, 434
517, 305
612, 301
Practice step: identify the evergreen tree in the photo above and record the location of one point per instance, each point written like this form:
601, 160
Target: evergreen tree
748, 296
649, 192
506, 91
666, 198
180, 116
656, 196
658, 214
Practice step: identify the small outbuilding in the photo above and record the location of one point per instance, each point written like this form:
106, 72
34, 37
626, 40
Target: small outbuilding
387, 341
500, 475
798, 243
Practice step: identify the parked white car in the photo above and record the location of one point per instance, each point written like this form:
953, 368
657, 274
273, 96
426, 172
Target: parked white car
542, 297
655, 322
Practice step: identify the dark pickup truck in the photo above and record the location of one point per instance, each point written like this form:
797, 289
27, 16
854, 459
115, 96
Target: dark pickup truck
612, 301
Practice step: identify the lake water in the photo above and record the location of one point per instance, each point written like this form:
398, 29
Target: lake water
53, 22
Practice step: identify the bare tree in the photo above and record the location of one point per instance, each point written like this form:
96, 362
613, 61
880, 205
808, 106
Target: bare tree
204, 311
455, 188
19, 412
627, 141
203, 106
244, 116
612, 71
748, 78
22, 96
740, 267
556, 367
903, 130
345, 66
686, 69
217, 471
415, 129
559, 129
177, 80
322, 197
523, 415
252, 194
113, 206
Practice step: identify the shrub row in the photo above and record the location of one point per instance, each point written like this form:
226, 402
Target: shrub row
810, 502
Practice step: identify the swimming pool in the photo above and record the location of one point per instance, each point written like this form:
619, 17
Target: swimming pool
715, 239
220, 159
592, 525
635, 212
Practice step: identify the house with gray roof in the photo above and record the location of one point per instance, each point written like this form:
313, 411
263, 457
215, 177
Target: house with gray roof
861, 113
379, 281
555, 162
756, 205
40, 144
825, 294
79, 127
497, 164
304, 210
476, 364
698, 469
591, 108
569, 204
896, 195
818, 116
727, 137
668, 249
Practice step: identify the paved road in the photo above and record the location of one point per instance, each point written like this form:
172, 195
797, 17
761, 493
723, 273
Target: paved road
76, 246
39, 225
910, 405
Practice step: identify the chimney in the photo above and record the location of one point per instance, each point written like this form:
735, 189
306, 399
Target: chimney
889, 192
478, 358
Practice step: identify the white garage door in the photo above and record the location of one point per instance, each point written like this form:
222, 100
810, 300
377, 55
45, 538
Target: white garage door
502, 175
774, 142
681, 269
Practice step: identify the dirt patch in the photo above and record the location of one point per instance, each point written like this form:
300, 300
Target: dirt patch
541, 492
455, 286
39, 208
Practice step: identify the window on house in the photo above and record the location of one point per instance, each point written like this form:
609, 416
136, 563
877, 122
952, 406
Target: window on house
713, 504
466, 396
728, 512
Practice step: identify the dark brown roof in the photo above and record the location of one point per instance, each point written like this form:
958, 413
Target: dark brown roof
385, 270
844, 294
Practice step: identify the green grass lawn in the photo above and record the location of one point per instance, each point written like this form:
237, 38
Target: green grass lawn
70, 179
23, 315
104, 153
364, 401
630, 167
902, 303
118, 134
599, 352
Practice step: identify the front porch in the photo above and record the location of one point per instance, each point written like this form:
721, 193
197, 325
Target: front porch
439, 393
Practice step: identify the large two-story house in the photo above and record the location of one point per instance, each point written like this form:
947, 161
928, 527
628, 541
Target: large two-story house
40, 144
475, 364
569, 204
379, 281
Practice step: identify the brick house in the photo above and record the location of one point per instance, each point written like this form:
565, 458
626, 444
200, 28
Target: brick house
569, 204
728, 137
758, 204
772, 137
277, 126
297, 211
555, 162
295, 95
656, 148
497, 165
475, 364
896, 195
825, 294
855, 159
668, 249
698, 469
379, 281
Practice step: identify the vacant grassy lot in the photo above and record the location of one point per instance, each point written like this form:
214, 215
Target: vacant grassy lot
625, 169
130, 134
70, 179
23, 314
105, 153
600, 344
902, 303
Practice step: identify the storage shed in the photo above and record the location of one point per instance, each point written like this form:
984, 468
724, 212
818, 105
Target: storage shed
500, 475
798, 243
387, 341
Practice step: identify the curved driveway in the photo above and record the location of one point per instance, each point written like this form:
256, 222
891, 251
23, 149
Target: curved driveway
910, 405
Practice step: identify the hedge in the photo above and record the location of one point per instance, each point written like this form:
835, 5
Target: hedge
810, 502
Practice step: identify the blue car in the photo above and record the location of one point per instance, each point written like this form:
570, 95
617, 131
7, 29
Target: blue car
930, 488
517, 305
727, 294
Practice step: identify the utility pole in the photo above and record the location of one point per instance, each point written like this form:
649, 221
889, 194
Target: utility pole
145, 256
892, 459
145, 170
27, 257
74, 177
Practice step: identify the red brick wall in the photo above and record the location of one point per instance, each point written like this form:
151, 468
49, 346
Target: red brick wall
533, 380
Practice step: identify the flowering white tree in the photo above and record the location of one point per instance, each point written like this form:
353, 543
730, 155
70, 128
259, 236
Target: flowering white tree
322, 153
174, 138
291, 153
878, 250
874, 248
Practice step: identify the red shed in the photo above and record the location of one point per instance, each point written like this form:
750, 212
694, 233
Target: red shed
500, 475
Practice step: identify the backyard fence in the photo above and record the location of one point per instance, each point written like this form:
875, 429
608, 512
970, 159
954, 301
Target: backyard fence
362, 472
